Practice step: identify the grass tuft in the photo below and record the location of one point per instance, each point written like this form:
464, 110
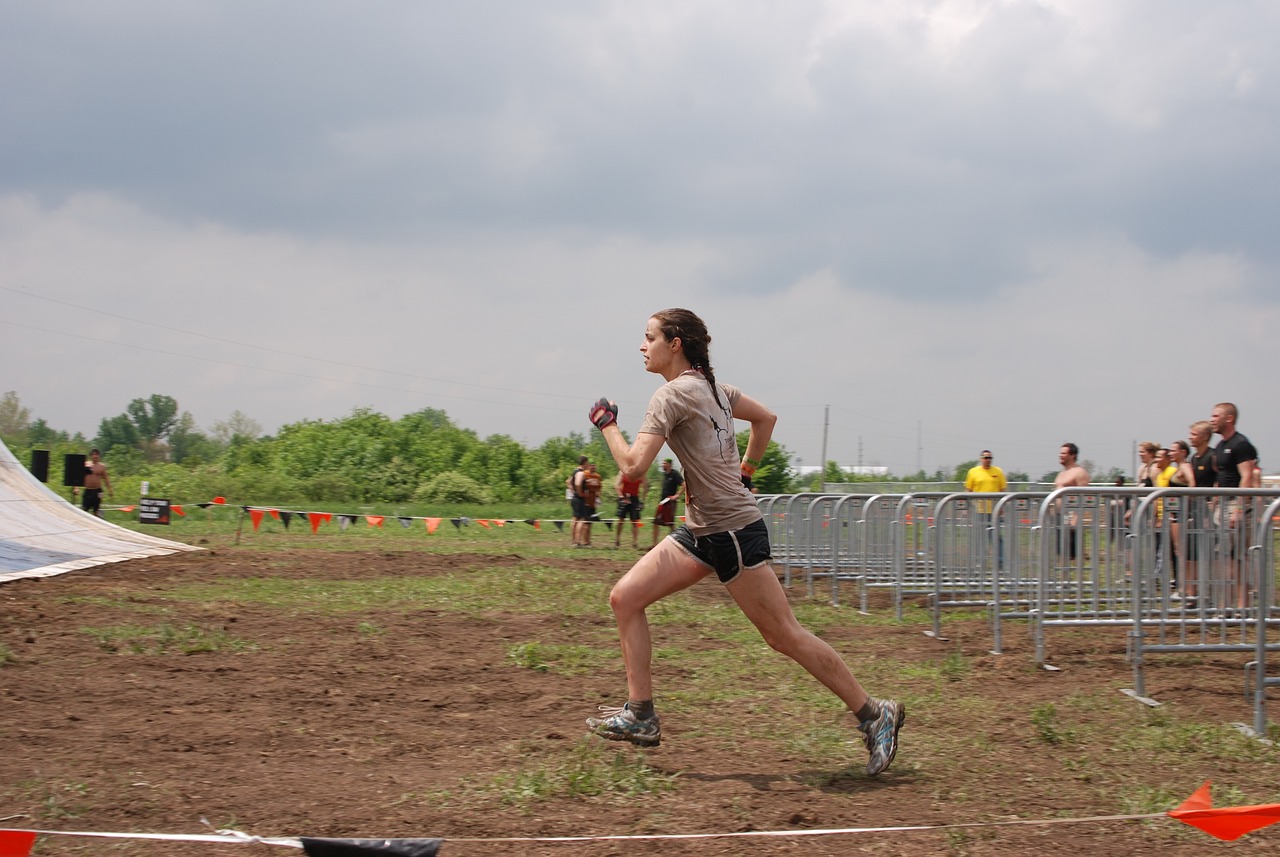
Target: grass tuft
165, 640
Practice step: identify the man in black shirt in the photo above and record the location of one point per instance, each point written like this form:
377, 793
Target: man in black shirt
1237, 463
1235, 456
666, 513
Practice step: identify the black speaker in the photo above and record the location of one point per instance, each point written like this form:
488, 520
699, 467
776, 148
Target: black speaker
40, 464
73, 469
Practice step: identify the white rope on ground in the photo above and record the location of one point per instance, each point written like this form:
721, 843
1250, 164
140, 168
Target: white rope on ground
237, 837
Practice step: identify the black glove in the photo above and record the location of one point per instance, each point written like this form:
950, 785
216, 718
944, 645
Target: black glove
603, 413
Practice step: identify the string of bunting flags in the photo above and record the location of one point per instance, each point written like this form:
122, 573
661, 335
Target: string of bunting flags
1224, 823
257, 514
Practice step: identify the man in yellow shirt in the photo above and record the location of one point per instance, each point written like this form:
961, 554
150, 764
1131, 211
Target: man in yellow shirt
986, 478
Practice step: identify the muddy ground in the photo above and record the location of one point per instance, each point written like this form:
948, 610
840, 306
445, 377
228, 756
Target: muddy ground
321, 730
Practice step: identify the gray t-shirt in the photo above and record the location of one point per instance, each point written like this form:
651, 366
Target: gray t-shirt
701, 434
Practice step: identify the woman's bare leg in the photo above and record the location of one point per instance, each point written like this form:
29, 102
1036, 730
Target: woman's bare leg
661, 572
761, 597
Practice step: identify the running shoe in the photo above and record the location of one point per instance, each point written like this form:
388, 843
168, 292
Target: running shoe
880, 734
619, 724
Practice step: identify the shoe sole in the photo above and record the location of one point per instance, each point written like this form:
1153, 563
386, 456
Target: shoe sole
616, 736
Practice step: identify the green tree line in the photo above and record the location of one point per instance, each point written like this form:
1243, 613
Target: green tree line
364, 457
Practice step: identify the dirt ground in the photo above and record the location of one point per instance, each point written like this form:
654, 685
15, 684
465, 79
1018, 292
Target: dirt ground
325, 732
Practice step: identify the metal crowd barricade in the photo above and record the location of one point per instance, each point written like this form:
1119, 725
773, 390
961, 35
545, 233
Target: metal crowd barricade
1204, 579
1016, 517
914, 570
773, 522
979, 550
873, 548
1266, 595
1083, 569
792, 536
841, 516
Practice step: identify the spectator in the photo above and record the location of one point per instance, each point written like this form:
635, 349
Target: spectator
1237, 463
986, 478
95, 477
665, 515
591, 485
576, 502
1199, 517
630, 501
1071, 475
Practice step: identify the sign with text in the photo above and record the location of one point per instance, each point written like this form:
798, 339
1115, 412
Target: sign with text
153, 510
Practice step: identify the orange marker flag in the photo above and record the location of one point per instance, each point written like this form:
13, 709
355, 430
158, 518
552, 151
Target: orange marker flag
16, 843
275, 513
432, 523
177, 510
255, 515
484, 524
374, 520
1227, 823
318, 518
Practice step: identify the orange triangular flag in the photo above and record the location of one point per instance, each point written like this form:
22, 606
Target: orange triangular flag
1227, 823
374, 520
501, 523
127, 508
432, 523
255, 515
221, 501
484, 524
16, 843
318, 518
275, 513
177, 510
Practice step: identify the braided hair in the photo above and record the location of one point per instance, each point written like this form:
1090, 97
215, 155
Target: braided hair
692, 333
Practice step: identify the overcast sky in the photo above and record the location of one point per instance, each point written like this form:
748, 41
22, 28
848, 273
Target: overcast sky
957, 224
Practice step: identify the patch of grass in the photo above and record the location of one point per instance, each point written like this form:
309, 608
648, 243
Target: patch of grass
559, 659
592, 770
1048, 727
524, 589
165, 640
58, 801
6, 655
123, 602
370, 629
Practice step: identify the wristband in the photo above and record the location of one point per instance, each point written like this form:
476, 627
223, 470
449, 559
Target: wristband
747, 468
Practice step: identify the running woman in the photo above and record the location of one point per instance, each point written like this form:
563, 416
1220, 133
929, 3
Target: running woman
724, 532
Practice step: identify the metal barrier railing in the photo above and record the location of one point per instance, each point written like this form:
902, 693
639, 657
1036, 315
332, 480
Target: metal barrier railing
980, 548
1204, 578
1180, 569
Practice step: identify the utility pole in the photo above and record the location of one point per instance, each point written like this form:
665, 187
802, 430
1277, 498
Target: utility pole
826, 418
919, 448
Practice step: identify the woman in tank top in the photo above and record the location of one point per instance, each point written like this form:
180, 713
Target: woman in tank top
724, 533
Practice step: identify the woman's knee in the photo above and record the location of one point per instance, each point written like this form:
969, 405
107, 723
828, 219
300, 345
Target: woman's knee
787, 637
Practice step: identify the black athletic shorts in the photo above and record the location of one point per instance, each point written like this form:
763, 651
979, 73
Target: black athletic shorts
91, 500
727, 553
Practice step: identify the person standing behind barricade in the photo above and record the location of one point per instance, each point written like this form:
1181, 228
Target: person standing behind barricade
665, 516
1183, 477
1236, 460
1199, 517
1071, 475
1164, 470
986, 478
630, 501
